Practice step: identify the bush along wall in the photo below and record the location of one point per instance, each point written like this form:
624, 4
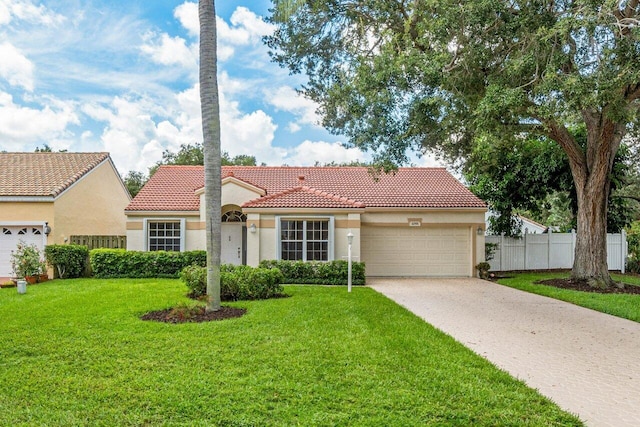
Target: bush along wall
237, 282
68, 261
318, 272
110, 263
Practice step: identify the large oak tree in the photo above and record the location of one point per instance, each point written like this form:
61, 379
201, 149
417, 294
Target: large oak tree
436, 75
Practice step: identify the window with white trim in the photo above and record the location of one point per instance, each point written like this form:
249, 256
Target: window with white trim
305, 239
164, 235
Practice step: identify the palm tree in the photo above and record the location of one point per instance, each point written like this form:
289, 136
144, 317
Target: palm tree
210, 107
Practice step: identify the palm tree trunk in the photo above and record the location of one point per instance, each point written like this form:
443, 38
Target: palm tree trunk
211, 144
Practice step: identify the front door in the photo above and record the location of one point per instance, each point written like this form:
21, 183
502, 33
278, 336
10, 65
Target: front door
232, 247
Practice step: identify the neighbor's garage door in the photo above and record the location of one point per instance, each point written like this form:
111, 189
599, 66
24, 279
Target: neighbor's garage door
416, 251
9, 238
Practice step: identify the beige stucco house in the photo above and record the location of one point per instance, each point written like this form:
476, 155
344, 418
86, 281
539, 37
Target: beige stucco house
45, 198
415, 222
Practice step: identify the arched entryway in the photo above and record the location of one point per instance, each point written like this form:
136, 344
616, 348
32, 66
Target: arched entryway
234, 236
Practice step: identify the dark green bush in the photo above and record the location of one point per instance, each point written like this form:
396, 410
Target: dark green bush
239, 282
633, 265
317, 272
68, 261
195, 277
135, 264
633, 240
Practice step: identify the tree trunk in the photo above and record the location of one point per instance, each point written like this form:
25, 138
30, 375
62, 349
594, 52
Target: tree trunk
591, 169
590, 262
211, 144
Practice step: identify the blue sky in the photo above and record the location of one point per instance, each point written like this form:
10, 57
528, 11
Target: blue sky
121, 76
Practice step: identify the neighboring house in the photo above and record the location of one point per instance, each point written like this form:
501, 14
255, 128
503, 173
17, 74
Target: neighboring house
528, 225
47, 197
414, 222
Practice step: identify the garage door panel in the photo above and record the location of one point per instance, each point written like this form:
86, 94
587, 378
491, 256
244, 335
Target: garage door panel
408, 251
10, 236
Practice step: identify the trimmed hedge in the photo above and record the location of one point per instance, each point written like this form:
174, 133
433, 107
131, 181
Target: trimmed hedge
68, 261
318, 272
111, 263
239, 282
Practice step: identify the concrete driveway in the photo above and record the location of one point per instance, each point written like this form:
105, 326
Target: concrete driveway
585, 361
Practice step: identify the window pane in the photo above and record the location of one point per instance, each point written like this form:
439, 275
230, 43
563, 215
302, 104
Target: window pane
164, 236
304, 240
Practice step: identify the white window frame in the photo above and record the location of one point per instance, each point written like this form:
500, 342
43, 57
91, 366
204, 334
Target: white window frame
183, 230
331, 243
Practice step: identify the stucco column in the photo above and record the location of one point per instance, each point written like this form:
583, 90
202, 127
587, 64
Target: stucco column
253, 239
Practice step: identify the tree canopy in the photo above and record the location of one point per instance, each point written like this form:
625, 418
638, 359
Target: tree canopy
188, 154
532, 177
395, 75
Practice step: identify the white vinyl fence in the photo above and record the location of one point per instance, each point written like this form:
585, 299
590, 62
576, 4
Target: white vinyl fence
549, 251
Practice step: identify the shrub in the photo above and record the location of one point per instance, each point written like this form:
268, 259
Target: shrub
108, 263
318, 272
195, 277
27, 261
236, 282
633, 240
483, 269
633, 265
490, 250
69, 261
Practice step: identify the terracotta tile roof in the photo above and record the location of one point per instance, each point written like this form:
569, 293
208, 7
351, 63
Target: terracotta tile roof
44, 174
303, 197
173, 187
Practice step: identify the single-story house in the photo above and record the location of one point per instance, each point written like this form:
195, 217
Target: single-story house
527, 225
45, 198
414, 222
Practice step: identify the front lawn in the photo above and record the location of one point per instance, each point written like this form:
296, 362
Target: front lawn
75, 352
622, 305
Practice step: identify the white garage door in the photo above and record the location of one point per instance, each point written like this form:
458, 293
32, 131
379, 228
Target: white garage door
9, 238
416, 251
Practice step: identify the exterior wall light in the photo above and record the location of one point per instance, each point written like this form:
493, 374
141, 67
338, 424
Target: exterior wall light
479, 231
47, 229
252, 228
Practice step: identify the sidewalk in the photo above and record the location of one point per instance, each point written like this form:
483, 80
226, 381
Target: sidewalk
585, 361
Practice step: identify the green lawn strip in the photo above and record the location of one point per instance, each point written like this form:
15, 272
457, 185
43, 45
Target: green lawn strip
75, 353
626, 306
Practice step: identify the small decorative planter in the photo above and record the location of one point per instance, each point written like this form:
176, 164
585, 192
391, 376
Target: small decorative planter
38, 278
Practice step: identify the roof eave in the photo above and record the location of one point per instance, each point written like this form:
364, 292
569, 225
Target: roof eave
27, 199
161, 212
266, 210
424, 208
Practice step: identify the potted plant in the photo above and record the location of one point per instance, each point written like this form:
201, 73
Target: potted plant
27, 263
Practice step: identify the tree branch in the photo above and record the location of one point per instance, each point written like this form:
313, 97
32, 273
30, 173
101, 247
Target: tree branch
632, 92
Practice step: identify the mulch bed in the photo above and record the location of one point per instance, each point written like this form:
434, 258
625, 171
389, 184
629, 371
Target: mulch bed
583, 285
193, 315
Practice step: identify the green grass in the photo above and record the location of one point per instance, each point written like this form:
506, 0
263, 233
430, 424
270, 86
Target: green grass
75, 353
626, 306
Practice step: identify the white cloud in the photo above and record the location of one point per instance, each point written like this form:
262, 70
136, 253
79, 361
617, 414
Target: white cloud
5, 13
15, 67
310, 152
187, 14
171, 51
293, 127
287, 99
25, 10
246, 28
21, 126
